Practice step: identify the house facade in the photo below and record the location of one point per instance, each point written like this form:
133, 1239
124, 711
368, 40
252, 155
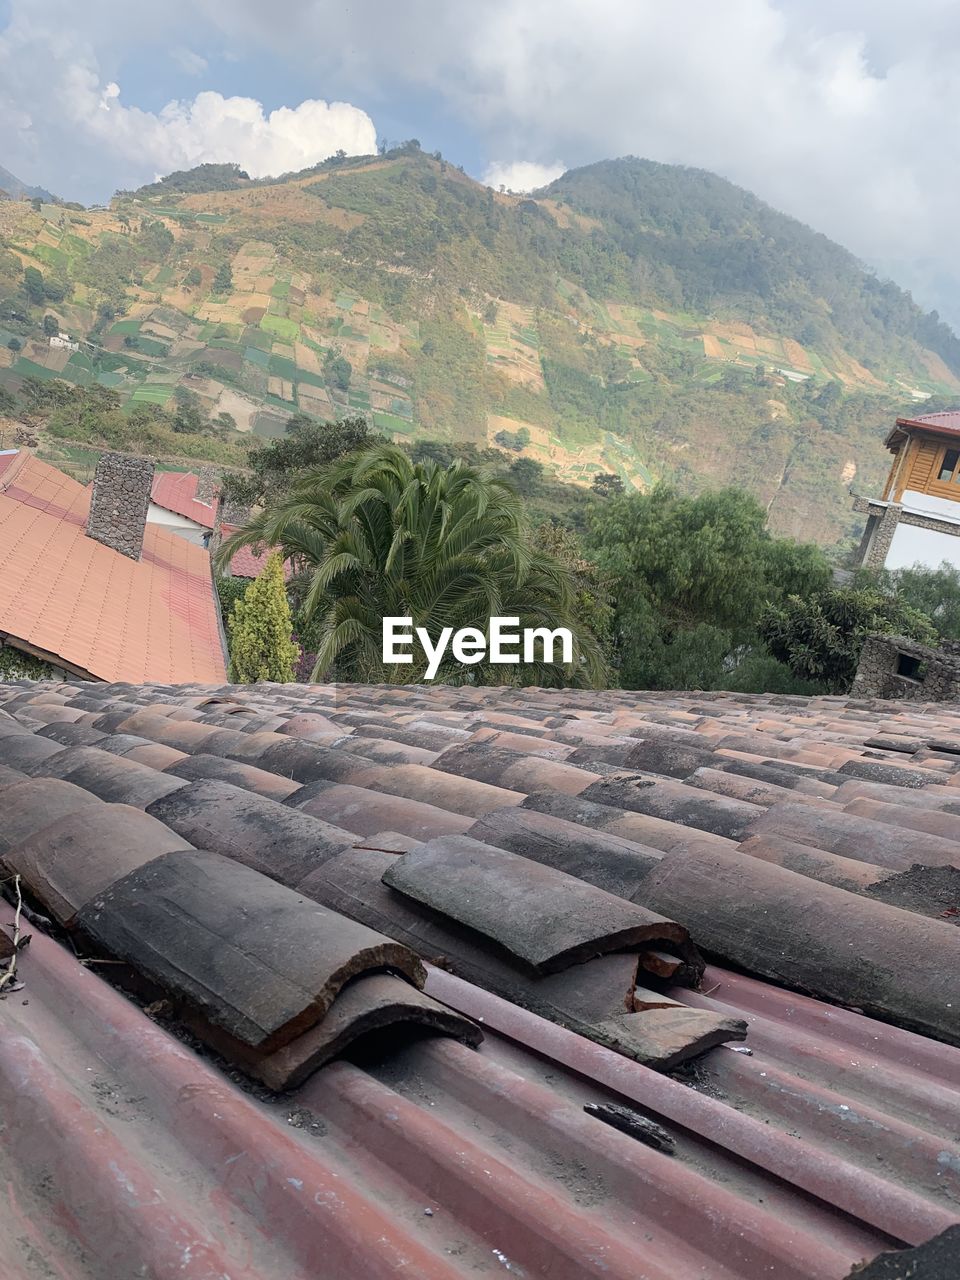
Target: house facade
917, 518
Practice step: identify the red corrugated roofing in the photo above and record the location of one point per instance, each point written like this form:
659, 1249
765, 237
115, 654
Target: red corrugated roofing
821, 1140
176, 491
125, 1153
948, 421
71, 596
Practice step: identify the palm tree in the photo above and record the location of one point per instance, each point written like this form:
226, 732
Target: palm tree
376, 535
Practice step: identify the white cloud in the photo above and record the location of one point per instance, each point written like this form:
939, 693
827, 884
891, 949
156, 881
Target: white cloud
211, 127
837, 113
194, 64
521, 175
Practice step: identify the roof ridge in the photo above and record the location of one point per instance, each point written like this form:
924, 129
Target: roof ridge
14, 468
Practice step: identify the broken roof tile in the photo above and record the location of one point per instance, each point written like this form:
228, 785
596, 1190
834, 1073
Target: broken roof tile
770, 828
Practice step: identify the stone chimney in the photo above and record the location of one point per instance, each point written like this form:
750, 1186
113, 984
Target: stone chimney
121, 499
234, 513
207, 483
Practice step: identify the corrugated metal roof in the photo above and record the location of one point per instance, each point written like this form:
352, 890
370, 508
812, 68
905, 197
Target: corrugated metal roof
822, 1139
948, 421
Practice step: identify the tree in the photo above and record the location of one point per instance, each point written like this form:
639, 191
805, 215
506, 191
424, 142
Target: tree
526, 474
276, 466
592, 594
33, 285
14, 344
820, 638
376, 535
607, 485
341, 371
223, 280
934, 592
51, 325
261, 644
298, 422
193, 278
8, 402
188, 419
691, 576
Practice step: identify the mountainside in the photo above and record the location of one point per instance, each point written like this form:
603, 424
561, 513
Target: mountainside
11, 185
636, 318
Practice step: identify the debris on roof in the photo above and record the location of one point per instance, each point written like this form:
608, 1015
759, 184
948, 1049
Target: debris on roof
457, 927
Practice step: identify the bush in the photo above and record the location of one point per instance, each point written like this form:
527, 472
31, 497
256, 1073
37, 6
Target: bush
229, 591
261, 643
820, 637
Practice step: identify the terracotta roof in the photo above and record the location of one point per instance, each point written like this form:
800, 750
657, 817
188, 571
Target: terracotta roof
176, 491
70, 596
515, 836
246, 563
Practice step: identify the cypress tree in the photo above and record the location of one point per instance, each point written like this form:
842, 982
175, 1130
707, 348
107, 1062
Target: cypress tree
260, 627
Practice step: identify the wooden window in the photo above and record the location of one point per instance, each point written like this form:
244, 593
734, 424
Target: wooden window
947, 471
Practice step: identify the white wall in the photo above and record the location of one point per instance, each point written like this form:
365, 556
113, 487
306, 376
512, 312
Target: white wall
183, 526
929, 505
912, 545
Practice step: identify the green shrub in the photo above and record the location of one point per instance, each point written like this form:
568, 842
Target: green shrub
229, 591
820, 636
261, 644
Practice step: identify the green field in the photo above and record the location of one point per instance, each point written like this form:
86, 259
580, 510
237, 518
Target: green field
279, 325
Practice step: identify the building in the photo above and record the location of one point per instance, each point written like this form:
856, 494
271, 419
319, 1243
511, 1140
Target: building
185, 503
917, 518
369, 982
88, 586
64, 342
898, 667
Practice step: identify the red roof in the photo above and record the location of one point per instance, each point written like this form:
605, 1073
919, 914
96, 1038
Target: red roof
176, 491
99, 611
247, 563
948, 421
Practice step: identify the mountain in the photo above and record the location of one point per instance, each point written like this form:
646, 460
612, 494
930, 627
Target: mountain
649, 320
15, 189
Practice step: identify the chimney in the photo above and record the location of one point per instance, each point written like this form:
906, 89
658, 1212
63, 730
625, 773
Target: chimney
233, 513
207, 481
120, 502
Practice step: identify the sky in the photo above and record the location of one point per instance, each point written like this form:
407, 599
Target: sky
841, 112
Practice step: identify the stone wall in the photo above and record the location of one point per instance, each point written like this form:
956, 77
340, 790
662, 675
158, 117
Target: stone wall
208, 481
895, 667
121, 499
